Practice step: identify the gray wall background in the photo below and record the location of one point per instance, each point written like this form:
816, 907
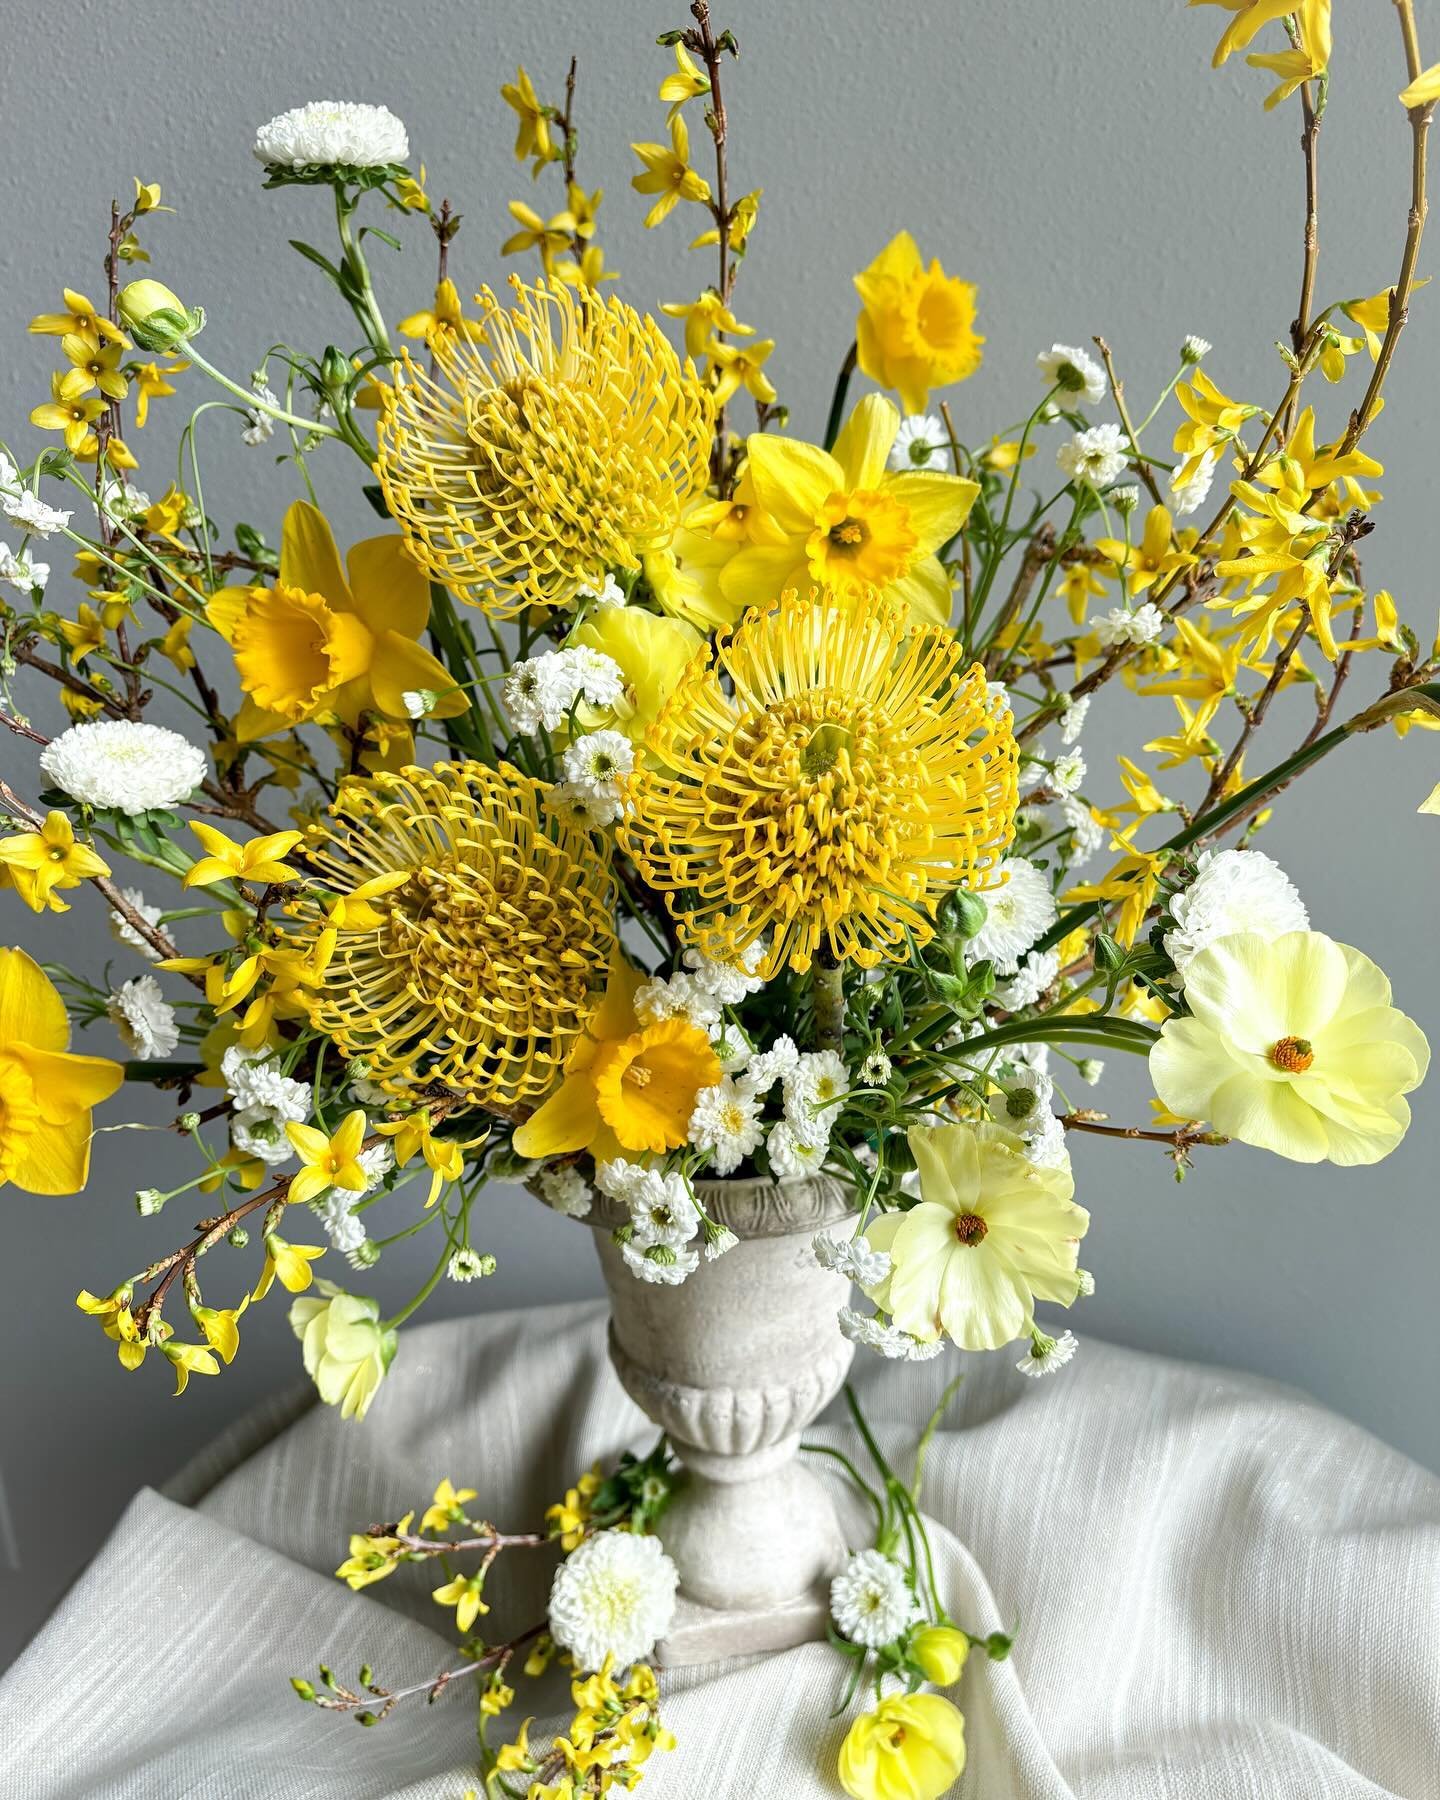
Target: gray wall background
1084, 166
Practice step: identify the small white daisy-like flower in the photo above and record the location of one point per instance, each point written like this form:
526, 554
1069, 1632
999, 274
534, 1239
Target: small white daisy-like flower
661, 1264
731, 1050
610, 594
342, 134
336, 1213
1125, 499
466, 1264
598, 678
1095, 457
1189, 496
597, 762
1072, 720
1087, 833
1073, 371
566, 1190
31, 514
921, 443
1195, 349
259, 426
540, 690
1018, 911
1025, 1104
1121, 626
614, 1596
766, 1067
22, 572
1036, 975
144, 1018
728, 983
873, 1333
125, 933
1068, 771
124, 764
871, 1600
375, 1164
661, 1210
1045, 1144
679, 996
1085, 1282
1047, 1354
418, 702
619, 1179
814, 1088
565, 800
718, 1239
793, 1152
851, 1257
725, 1124
876, 1069
1233, 891
120, 500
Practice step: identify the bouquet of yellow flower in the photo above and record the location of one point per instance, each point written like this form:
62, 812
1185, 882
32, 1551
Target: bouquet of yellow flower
658, 801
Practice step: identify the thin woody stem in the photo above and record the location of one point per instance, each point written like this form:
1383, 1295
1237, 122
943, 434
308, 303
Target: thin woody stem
1117, 392
1176, 1140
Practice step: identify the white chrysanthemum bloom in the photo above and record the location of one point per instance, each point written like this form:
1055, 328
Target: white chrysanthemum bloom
619, 1179
873, 1333
125, 933
375, 1164
1195, 349
259, 426
260, 1131
1121, 626
565, 1190
732, 1051
1047, 1354
766, 1067
1233, 890
814, 1089
1096, 457
611, 594
1075, 373
344, 134
661, 1264
614, 1596
1024, 1104
718, 1239
597, 763
871, 1600
144, 1018
725, 1125
921, 443
1072, 720
599, 679
564, 800
30, 512
1046, 1146
661, 1210
542, 690
1018, 911
124, 764
1188, 496
1087, 833
254, 1078
22, 572
1068, 771
1037, 974
336, 1213
851, 1257
793, 1150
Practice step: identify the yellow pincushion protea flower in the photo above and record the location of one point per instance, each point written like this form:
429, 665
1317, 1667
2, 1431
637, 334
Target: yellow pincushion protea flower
478, 970
562, 444
824, 776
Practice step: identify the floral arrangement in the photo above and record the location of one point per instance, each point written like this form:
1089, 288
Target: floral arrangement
658, 797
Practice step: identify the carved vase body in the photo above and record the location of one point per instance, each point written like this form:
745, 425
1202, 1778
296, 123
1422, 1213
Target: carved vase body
734, 1364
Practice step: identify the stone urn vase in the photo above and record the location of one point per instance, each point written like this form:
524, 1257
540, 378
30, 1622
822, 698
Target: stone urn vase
733, 1365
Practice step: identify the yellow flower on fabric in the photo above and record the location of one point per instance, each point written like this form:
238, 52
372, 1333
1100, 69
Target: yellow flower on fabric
1157, 553
652, 653
97, 363
741, 365
333, 642
188, 1360
290, 1263
39, 862
330, 1159
80, 315
464, 1593
668, 173
496, 1695
261, 859
493, 950
822, 778
846, 521
941, 1652
46, 1094
568, 1518
532, 137
345, 1348
1292, 1045
445, 315
916, 328
912, 1747
548, 236
567, 447
627, 1087
993, 1233
70, 412
447, 1508
372, 1556
687, 83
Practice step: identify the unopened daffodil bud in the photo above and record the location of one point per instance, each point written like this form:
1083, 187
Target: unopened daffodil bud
156, 317
939, 1651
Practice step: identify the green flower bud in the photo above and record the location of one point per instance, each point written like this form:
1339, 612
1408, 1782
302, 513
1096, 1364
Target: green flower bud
155, 317
149, 1201
238, 1238
302, 1687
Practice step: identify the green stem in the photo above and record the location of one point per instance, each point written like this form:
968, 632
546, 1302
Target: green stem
253, 401
367, 307
837, 403
828, 985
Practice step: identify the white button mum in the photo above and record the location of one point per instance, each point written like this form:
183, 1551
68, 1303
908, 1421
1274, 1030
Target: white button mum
144, 1018
333, 134
613, 1596
1019, 910
1233, 890
871, 1600
124, 764
1096, 457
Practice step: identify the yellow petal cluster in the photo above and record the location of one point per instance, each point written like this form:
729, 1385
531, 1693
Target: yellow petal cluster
562, 446
916, 329
479, 970
822, 778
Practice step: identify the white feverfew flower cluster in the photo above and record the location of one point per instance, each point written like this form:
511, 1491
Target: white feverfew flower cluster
542, 691
700, 992
343, 1227
124, 764
259, 426
24, 508
663, 1221
332, 134
565, 1190
609, 594
1233, 891
1067, 773
1073, 371
1087, 833
1095, 457
1036, 975
1072, 721
144, 1018
125, 933
871, 1600
921, 443
871, 1332
851, 1257
1121, 626
265, 1100
595, 769
1018, 911
725, 1125
22, 573
614, 1596
1189, 496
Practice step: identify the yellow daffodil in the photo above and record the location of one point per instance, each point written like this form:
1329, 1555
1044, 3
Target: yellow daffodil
153, 383
916, 328
1291, 1044
687, 83
330, 645
39, 862
532, 137
447, 1508
685, 577
260, 859
912, 1747
97, 363
847, 522
626, 1087
330, 1159
290, 1263
70, 412
464, 1593
1157, 553
668, 173
45, 1093
941, 1652
346, 1350
548, 236
80, 315
993, 1233
704, 318
740, 365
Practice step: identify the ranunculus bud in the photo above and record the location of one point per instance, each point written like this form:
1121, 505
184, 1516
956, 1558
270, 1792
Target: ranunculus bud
940, 1651
156, 317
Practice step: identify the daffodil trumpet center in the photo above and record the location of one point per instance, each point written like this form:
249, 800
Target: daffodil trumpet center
1292, 1054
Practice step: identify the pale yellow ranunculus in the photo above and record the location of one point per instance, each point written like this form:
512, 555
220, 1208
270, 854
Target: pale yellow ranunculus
652, 653
1292, 1045
345, 1350
912, 1747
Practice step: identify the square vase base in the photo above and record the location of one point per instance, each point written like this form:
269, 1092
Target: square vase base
705, 1634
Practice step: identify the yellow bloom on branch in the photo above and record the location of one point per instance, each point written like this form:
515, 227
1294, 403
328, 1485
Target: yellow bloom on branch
45, 1093
97, 363
532, 137
464, 1594
489, 957
80, 315
1309, 55
1214, 421
740, 365
259, 860
687, 83
290, 1263
704, 318
845, 521
1157, 553
153, 383
445, 315
548, 236
447, 1508
916, 328
330, 1159
822, 777
668, 173
566, 447
70, 412
1132, 881
39, 862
